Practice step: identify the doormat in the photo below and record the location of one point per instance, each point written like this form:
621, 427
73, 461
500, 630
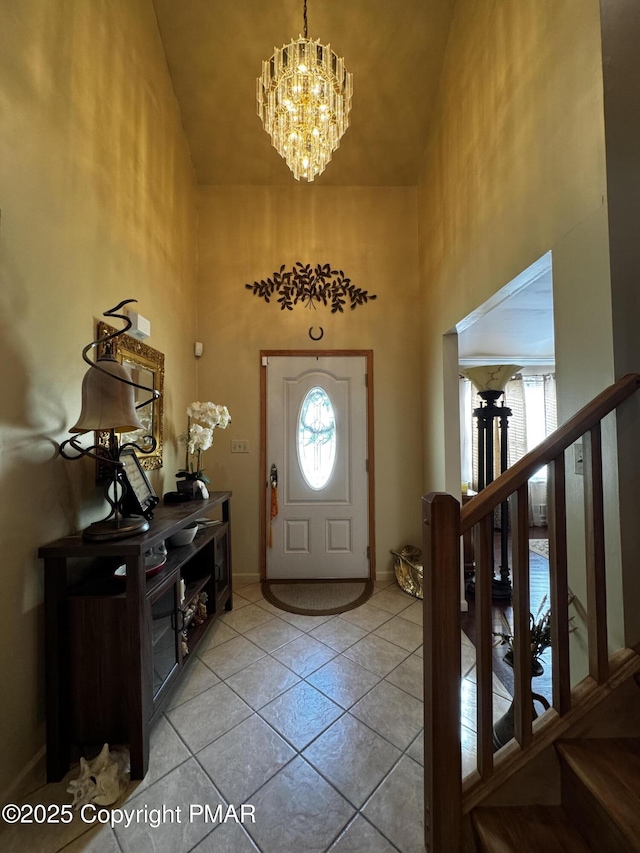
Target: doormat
539, 547
317, 598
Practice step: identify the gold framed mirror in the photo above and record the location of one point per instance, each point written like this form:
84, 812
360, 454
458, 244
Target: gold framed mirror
146, 366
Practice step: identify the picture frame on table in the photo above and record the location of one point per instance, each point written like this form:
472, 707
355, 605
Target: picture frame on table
140, 498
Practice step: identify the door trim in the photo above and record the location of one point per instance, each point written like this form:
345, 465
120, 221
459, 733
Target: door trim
367, 354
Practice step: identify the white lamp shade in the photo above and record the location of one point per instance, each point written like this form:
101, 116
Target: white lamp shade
490, 377
108, 402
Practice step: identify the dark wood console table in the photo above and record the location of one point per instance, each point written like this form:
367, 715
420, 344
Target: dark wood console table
116, 647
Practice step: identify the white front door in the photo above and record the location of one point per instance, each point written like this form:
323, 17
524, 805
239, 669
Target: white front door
317, 441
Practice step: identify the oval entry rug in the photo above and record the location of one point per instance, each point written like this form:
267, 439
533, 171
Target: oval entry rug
317, 598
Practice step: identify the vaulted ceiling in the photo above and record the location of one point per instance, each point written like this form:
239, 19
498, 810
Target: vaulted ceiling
515, 325
393, 48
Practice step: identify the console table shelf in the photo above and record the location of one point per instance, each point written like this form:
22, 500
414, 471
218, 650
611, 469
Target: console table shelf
115, 647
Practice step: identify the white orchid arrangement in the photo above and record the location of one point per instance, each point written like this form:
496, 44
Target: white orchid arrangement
202, 420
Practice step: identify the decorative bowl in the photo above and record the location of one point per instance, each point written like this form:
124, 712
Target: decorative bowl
184, 536
152, 565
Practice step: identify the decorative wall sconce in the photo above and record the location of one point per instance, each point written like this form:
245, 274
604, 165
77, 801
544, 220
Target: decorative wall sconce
108, 404
309, 285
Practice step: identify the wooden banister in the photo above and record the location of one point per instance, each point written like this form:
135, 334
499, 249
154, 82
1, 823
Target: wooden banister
484, 645
521, 606
444, 523
441, 693
558, 584
548, 450
595, 559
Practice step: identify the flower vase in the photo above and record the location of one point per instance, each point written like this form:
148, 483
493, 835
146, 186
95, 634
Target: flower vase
536, 667
504, 729
189, 488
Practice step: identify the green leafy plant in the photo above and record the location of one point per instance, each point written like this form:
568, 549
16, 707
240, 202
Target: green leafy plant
539, 632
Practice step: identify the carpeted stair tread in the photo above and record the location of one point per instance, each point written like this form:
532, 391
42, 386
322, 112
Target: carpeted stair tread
520, 829
609, 769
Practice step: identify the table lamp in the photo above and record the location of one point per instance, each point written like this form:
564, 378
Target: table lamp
108, 404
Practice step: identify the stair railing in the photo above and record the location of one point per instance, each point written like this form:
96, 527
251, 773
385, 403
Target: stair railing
443, 525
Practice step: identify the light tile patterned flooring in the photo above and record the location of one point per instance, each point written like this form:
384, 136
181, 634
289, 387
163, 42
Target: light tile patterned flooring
314, 721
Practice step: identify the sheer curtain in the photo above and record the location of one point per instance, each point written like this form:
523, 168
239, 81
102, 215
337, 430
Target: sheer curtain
532, 400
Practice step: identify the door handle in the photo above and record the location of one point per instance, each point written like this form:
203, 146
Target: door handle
273, 508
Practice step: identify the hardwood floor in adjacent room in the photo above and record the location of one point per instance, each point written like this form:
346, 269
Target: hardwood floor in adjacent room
538, 588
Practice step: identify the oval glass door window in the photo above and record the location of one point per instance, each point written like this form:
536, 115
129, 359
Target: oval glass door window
317, 438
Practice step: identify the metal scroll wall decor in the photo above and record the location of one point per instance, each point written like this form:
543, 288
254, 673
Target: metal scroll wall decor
309, 286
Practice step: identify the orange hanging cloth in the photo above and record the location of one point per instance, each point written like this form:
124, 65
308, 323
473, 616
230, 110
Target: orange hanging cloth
273, 511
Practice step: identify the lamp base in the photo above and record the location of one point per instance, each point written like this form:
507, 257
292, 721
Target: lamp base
110, 528
501, 590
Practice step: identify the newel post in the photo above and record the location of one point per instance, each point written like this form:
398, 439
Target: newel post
441, 605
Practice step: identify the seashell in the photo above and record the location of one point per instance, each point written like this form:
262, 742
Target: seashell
102, 779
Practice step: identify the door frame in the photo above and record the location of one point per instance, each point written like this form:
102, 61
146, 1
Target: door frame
367, 354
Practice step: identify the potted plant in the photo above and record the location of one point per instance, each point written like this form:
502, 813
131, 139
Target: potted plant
202, 420
539, 632
540, 638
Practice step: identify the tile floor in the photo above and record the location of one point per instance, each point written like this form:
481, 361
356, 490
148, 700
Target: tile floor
316, 722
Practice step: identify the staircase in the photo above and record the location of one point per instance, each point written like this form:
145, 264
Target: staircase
595, 773
600, 811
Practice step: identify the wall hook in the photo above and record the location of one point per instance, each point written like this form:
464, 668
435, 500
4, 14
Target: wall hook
313, 337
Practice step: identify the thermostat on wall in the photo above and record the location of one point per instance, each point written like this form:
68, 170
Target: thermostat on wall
140, 326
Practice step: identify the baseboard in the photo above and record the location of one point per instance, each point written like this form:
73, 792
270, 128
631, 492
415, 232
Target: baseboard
388, 575
244, 578
30, 778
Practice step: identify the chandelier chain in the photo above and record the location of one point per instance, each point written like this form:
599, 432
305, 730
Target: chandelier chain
306, 33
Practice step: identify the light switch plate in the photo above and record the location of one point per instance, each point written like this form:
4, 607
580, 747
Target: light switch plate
239, 446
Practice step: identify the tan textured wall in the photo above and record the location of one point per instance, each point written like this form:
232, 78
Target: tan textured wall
620, 35
515, 167
98, 205
247, 233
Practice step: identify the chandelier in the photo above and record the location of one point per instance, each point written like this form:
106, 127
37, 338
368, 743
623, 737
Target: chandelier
304, 100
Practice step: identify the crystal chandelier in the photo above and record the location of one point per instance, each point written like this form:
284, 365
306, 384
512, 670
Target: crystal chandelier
304, 100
